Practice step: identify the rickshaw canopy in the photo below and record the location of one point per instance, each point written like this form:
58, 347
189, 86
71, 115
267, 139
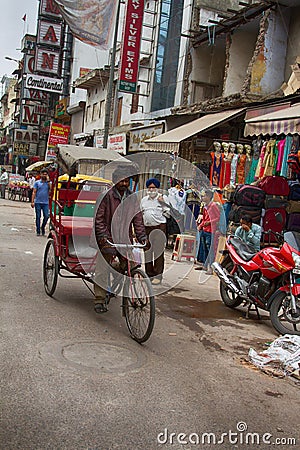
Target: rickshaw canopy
71, 157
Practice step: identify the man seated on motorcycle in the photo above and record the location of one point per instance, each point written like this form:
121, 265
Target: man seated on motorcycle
249, 232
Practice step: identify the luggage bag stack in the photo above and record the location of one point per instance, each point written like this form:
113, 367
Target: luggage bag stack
274, 217
248, 200
293, 207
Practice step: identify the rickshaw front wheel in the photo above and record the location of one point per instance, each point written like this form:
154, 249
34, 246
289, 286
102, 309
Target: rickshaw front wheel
50, 268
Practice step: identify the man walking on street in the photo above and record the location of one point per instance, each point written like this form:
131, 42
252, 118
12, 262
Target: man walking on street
3, 181
40, 201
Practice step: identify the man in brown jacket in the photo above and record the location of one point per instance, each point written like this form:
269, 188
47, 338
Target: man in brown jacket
117, 216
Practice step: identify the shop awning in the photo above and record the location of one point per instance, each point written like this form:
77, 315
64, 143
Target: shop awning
285, 121
169, 142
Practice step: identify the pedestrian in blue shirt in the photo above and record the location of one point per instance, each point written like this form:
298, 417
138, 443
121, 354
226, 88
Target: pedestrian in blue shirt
40, 201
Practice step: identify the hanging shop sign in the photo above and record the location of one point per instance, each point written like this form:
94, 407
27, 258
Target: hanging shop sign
61, 109
116, 142
53, 85
138, 136
50, 33
49, 8
24, 148
131, 46
83, 71
50, 36
29, 115
48, 61
58, 134
21, 135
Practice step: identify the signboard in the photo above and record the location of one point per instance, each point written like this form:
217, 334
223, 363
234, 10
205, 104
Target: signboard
50, 154
59, 134
53, 85
83, 71
21, 148
26, 136
50, 33
131, 46
29, 116
61, 109
116, 142
47, 61
24, 148
140, 135
49, 8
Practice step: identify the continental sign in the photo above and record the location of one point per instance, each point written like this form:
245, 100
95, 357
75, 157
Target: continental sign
53, 85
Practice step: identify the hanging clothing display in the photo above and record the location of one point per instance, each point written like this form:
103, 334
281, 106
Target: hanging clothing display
269, 159
234, 162
280, 147
240, 169
226, 170
215, 173
287, 149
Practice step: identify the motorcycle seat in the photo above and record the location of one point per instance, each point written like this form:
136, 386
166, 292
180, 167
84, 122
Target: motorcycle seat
245, 251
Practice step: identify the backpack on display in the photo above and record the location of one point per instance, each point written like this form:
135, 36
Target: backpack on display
293, 222
275, 185
248, 195
293, 207
275, 201
274, 219
294, 190
238, 211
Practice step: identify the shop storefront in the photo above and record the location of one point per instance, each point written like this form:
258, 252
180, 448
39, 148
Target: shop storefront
193, 142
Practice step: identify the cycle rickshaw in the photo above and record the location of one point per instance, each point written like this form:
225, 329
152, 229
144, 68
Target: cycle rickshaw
68, 252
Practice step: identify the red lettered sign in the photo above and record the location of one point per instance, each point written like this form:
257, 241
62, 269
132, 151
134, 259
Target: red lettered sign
59, 134
131, 46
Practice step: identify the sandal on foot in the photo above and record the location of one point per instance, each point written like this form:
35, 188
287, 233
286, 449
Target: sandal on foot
100, 308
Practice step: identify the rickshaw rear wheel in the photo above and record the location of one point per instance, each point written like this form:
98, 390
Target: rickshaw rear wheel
50, 268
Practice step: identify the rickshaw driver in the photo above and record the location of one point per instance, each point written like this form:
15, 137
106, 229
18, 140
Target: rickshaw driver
107, 224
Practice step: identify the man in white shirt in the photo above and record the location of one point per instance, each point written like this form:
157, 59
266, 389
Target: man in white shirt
154, 207
3, 181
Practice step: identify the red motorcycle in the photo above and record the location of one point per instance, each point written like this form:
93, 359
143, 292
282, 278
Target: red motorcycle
268, 279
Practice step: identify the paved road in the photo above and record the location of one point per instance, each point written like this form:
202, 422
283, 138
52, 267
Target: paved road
74, 380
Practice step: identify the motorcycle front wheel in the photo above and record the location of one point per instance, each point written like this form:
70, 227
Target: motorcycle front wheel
283, 319
229, 298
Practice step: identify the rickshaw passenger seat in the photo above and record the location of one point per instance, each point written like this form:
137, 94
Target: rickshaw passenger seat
79, 247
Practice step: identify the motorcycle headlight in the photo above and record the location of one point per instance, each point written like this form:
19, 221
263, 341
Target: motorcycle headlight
296, 259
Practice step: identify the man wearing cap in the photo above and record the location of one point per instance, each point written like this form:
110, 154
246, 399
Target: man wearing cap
40, 201
155, 210
117, 217
3, 181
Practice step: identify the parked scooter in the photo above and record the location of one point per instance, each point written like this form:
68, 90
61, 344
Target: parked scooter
269, 279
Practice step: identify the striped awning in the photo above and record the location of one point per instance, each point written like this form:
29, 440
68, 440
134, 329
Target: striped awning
284, 121
169, 142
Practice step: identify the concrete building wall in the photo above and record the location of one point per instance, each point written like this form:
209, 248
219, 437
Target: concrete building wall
208, 65
241, 50
268, 68
85, 56
293, 46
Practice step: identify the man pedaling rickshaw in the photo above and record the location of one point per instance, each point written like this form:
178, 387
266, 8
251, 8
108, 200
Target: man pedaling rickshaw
117, 219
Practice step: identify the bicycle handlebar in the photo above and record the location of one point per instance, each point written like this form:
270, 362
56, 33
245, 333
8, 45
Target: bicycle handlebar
126, 245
